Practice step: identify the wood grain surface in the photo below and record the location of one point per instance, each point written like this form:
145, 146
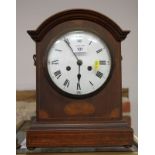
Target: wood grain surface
30, 95
57, 107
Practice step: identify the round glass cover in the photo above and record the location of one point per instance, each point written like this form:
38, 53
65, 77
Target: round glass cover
79, 63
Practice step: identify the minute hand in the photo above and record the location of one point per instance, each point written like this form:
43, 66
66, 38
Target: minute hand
67, 42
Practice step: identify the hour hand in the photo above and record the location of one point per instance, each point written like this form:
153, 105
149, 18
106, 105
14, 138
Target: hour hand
79, 77
78, 84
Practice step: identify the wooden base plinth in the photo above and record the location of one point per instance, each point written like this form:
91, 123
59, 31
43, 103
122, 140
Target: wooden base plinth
79, 135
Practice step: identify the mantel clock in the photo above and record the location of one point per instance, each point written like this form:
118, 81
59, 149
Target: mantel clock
78, 82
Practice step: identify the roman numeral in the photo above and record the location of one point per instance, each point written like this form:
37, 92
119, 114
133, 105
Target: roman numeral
102, 62
78, 86
90, 42
55, 62
66, 83
58, 50
98, 51
67, 41
91, 83
99, 74
57, 74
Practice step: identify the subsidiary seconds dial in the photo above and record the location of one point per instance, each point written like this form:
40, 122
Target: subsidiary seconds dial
78, 63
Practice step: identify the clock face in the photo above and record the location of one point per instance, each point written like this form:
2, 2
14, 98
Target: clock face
79, 63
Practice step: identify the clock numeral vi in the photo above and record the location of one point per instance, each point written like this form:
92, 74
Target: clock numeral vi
66, 83
99, 74
78, 86
57, 74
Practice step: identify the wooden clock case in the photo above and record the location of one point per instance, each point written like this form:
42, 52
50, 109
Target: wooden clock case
68, 121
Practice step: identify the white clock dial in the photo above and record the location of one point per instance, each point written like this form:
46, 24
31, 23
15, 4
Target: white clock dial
79, 63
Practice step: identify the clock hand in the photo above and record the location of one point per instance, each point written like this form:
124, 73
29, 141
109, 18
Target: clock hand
79, 63
79, 76
68, 43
